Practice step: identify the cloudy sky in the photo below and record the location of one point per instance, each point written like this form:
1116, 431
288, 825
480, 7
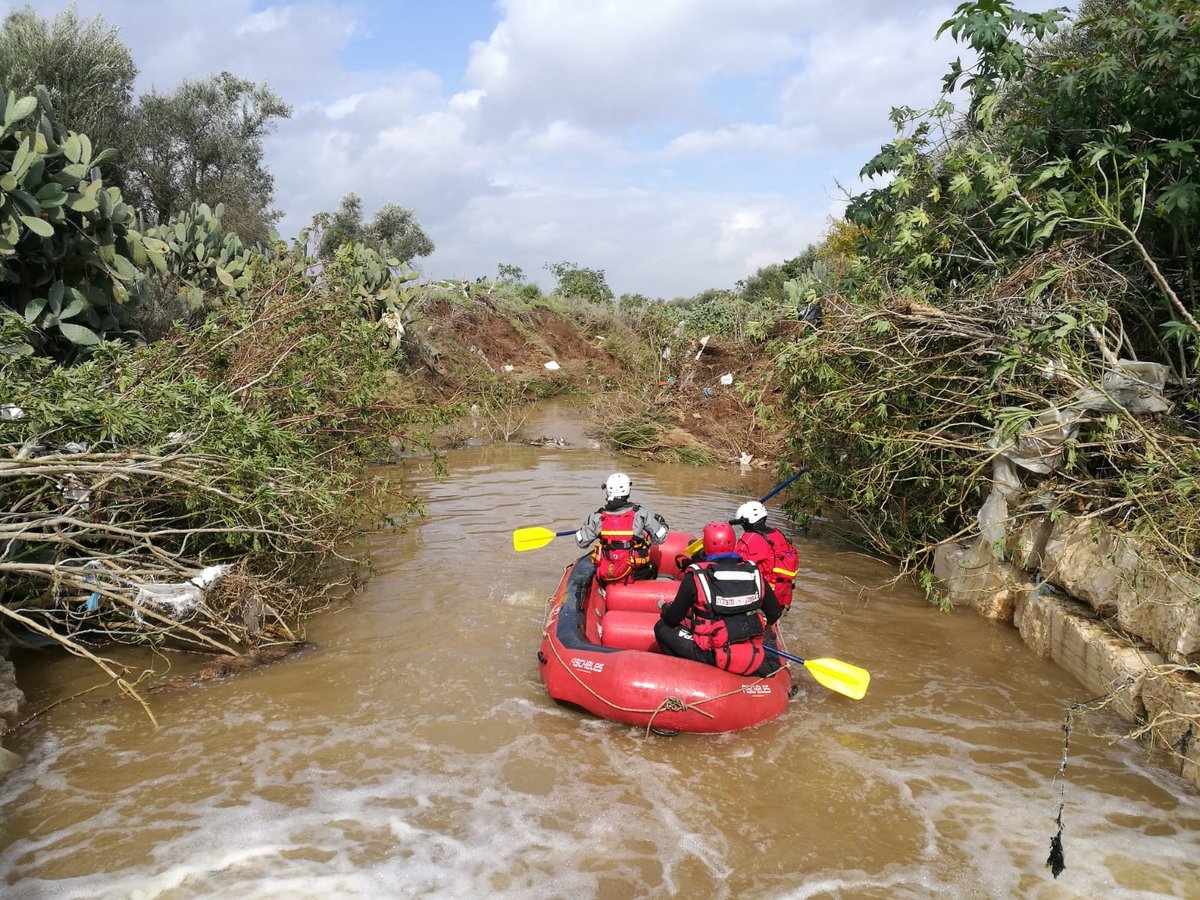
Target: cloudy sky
676, 144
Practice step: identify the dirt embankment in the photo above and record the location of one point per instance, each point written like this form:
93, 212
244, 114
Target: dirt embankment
706, 401
722, 396
458, 344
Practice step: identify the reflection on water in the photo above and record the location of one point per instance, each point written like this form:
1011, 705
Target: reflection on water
414, 752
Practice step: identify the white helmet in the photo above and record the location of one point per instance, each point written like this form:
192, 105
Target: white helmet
617, 486
750, 513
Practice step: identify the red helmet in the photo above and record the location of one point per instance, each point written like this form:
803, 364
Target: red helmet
718, 538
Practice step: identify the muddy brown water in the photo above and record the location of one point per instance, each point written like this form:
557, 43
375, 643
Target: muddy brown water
414, 753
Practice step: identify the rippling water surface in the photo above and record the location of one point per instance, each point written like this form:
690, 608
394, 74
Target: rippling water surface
414, 753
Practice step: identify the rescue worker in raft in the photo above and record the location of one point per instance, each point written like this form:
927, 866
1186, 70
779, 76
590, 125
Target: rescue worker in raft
769, 549
722, 611
623, 531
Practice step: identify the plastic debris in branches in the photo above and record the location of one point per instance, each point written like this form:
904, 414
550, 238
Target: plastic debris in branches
179, 599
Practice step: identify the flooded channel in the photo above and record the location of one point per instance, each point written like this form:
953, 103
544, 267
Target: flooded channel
414, 753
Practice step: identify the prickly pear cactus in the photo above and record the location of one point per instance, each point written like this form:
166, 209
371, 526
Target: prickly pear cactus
198, 255
67, 243
383, 286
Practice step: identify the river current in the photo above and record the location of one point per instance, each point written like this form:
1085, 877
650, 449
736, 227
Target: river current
413, 752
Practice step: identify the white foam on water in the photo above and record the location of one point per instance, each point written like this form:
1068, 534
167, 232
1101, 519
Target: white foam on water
988, 810
855, 884
305, 820
526, 599
517, 797
530, 800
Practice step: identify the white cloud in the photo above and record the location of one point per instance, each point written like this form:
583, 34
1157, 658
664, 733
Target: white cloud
677, 144
385, 101
273, 18
851, 80
623, 62
657, 243
344, 106
563, 140
397, 144
745, 139
467, 100
294, 47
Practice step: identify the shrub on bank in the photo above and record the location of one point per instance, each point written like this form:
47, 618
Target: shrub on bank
243, 441
1017, 262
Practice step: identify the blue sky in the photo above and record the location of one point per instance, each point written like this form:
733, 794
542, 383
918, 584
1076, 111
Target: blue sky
676, 144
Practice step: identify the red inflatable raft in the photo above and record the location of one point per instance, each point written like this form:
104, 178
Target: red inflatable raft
598, 653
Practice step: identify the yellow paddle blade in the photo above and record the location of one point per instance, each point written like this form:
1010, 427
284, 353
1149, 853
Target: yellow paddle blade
532, 538
694, 547
839, 676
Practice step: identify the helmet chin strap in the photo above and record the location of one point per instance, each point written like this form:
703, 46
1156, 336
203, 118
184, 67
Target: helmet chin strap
760, 526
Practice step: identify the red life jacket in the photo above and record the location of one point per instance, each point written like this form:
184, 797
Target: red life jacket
776, 558
619, 552
726, 617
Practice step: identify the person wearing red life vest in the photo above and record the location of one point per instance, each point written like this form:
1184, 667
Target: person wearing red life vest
722, 610
767, 548
623, 532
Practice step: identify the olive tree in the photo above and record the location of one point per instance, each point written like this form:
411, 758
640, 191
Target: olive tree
393, 231
203, 142
576, 281
86, 70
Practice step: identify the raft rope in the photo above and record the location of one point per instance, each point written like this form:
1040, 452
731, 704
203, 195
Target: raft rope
669, 703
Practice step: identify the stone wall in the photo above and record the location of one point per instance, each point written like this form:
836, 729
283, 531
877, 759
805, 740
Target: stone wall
11, 697
1103, 606
11, 700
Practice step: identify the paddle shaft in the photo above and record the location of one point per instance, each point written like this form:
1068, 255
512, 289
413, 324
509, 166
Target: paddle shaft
780, 487
698, 544
784, 654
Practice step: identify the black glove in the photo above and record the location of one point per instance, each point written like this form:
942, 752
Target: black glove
682, 561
